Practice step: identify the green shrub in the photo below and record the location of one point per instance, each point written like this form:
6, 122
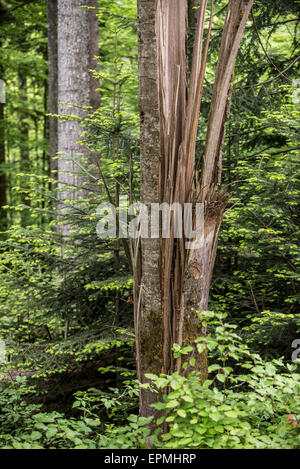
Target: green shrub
245, 403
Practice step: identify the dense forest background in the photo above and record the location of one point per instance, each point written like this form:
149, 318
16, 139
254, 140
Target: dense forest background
66, 303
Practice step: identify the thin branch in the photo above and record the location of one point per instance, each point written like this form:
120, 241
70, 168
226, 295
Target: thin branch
263, 47
279, 23
272, 79
27, 2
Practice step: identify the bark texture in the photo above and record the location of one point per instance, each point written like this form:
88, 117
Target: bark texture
93, 54
148, 321
3, 215
52, 82
3, 220
193, 6
73, 94
24, 139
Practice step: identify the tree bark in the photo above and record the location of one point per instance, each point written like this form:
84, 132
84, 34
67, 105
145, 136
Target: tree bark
73, 95
24, 126
3, 217
148, 320
193, 6
3, 200
193, 9
24, 140
93, 53
52, 83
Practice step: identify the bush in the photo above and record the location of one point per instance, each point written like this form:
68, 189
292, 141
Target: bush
245, 403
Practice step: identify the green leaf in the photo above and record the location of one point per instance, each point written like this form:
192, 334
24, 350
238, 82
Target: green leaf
182, 413
231, 413
35, 435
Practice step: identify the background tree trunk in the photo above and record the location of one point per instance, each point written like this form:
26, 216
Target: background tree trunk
94, 52
52, 82
193, 10
3, 217
193, 6
74, 89
24, 141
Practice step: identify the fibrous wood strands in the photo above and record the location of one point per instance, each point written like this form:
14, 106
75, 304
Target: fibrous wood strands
178, 124
172, 282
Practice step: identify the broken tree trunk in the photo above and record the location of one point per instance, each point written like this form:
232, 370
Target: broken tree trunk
172, 282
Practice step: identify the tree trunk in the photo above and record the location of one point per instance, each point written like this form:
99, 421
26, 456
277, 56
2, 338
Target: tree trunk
94, 52
193, 6
77, 45
24, 126
73, 95
52, 82
172, 283
24, 141
148, 318
3, 217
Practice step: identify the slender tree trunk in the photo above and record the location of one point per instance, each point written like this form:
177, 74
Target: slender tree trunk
24, 140
172, 283
193, 6
52, 83
94, 52
24, 126
94, 157
3, 217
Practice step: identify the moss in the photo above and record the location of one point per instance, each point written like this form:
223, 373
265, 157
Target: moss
151, 343
190, 333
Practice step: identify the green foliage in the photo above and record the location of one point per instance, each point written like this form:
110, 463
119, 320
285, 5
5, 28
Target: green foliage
258, 260
118, 49
24, 426
66, 305
131, 436
272, 333
23, 66
245, 403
